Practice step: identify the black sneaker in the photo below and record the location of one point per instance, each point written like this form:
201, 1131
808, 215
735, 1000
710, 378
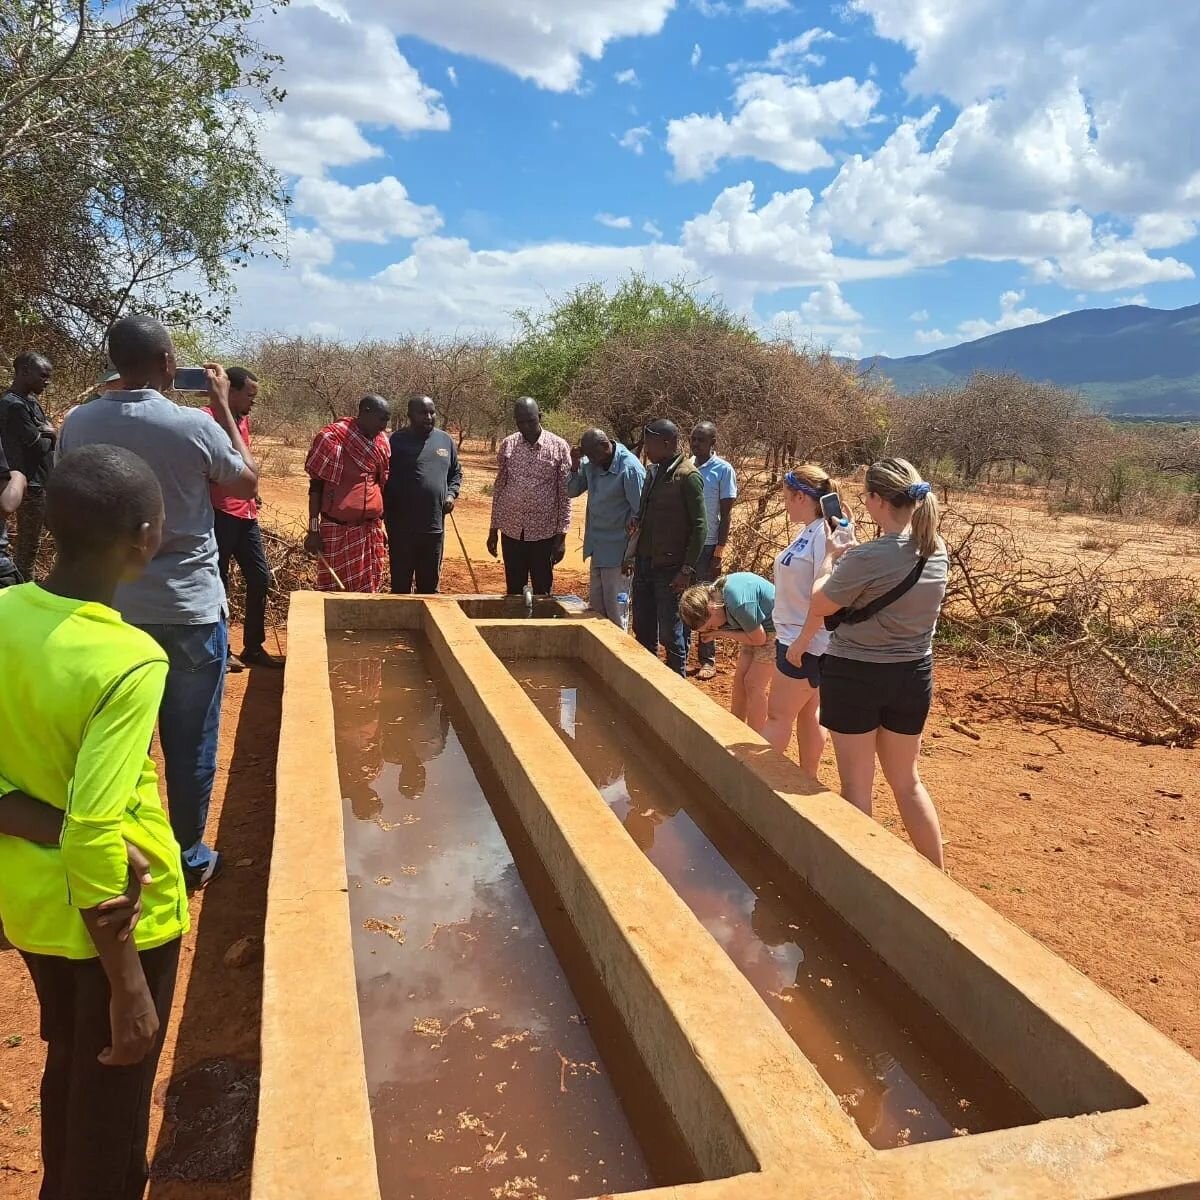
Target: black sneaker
260, 658
232, 666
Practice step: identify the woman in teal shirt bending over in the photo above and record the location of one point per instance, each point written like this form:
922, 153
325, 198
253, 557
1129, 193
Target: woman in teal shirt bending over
739, 607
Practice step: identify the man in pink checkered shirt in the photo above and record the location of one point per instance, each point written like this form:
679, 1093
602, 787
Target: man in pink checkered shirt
531, 511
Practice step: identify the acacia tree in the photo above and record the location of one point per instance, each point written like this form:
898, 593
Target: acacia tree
552, 348
129, 168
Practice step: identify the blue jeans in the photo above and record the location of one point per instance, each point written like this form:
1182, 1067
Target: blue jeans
656, 619
704, 574
188, 724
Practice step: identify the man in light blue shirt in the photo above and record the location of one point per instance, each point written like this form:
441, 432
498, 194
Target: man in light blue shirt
612, 478
720, 491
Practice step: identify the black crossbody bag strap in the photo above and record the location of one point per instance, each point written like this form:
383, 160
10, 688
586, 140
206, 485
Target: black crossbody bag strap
856, 616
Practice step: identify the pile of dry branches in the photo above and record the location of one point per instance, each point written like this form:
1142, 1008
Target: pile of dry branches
1114, 649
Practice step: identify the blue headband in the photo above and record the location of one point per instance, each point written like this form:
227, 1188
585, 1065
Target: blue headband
798, 485
919, 491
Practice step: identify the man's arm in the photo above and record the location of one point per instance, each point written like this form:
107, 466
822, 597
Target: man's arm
693, 499
12, 492
22, 816
577, 481
107, 769
455, 477
243, 486
312, 539
497, 492
563, 495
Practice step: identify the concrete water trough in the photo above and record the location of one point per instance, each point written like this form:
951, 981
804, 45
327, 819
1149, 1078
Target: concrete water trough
544, 920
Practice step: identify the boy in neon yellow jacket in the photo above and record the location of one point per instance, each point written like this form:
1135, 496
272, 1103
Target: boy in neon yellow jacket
91, 887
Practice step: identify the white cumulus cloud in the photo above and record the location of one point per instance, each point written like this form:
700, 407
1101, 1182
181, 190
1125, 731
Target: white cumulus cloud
371, 212
627, 78
612, 222
1012, 316
544, 41
776, 119
635, 139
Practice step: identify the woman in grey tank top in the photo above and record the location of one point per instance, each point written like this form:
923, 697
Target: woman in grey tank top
877, 677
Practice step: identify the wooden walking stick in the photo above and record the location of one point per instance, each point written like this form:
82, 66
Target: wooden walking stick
463, 546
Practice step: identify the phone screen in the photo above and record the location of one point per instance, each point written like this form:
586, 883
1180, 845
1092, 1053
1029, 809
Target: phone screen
831, 508
191, 379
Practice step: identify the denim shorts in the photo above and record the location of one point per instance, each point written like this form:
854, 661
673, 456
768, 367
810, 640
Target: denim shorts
810, 666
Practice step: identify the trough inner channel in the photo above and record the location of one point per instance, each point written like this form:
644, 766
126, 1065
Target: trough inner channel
486, 1075
896, 1067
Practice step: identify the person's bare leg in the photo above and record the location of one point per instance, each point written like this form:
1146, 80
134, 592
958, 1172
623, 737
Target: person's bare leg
737, 704
810, 737
856, 767
786, 698
757, 682
898, 753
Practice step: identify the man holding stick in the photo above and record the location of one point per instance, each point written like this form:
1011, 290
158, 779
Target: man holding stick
422, 486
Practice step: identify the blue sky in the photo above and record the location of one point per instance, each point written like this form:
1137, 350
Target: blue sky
881, 176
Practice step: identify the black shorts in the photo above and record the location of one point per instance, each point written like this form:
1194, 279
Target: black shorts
809, 669
860, 697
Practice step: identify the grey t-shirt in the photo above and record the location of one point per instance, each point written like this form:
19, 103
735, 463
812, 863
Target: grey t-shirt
187, 450
902, 632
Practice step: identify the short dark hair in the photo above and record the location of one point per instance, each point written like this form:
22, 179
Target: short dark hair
420, 399
98, 496
134, 341
664, 429
374, 402
29, 360
240, 376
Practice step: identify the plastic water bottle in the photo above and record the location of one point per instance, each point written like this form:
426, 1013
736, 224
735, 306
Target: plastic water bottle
843, 535
623, 611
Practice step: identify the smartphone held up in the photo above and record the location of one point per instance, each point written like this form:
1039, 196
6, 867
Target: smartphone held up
191, 379
831, 510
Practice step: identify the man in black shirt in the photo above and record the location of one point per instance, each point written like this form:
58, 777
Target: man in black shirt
424, 483
29, 438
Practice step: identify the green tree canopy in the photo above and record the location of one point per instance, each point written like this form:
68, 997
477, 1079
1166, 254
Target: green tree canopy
129, 169
552, 348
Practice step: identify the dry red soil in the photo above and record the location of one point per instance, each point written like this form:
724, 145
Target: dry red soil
1090, 844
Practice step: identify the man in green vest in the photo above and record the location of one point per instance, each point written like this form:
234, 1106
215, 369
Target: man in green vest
670, 528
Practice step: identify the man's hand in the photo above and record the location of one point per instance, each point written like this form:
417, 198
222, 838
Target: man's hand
796, 652
576, 458
134, 1024
447, 506
627, 567
312, 544
218, 384
633, 526
123, 912
682, 582
493, 542
560, 550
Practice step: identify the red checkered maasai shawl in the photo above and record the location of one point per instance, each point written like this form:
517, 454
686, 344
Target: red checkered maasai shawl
357, 553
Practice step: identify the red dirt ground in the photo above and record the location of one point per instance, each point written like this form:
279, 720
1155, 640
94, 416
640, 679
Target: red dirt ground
1090, 844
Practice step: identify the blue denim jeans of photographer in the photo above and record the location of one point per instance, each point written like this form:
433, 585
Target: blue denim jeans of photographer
704, 574
656, 619
189, 722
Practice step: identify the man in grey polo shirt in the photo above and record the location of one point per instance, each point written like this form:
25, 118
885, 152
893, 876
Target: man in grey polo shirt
179, 599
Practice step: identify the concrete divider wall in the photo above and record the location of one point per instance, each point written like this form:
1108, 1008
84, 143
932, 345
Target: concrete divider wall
707, 1039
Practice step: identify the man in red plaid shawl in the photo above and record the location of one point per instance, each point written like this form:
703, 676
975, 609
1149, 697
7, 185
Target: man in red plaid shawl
348, 467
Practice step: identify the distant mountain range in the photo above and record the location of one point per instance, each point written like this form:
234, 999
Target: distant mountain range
1131, 361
